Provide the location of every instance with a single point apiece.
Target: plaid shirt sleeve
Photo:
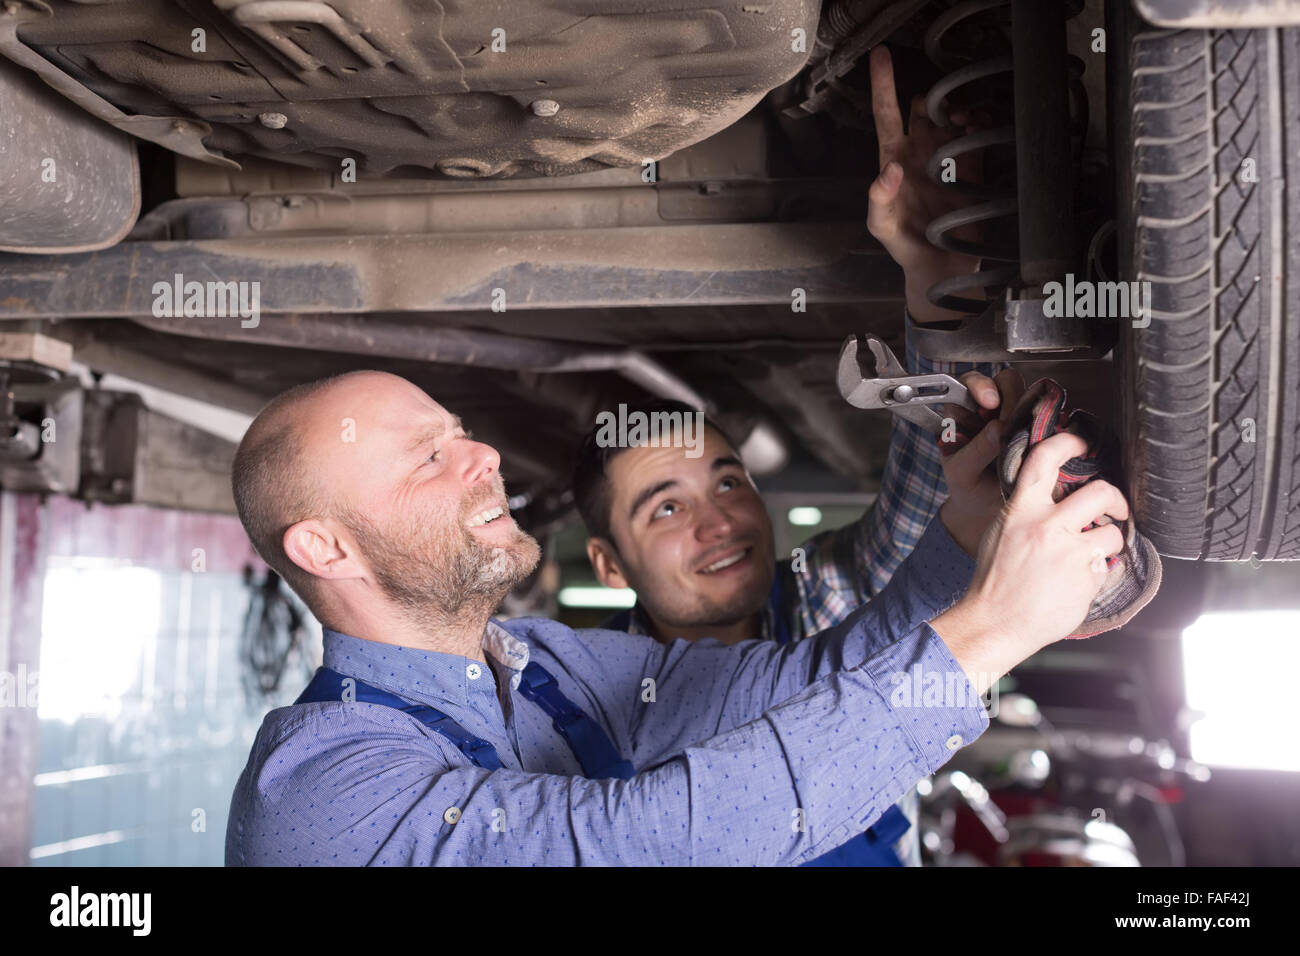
(847, 566)
(850, 565)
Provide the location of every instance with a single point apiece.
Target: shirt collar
(425, 676)
(506, 650)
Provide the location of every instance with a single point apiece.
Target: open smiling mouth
(486, 516)
(728, 561)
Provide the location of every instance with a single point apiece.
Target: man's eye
(727, 484)
(434, 455)
(664, 510)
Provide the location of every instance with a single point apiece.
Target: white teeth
(724, 563)
(483, 517)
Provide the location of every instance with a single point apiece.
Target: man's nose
(481, 462)
(711, 522)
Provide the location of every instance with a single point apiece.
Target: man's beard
(675, 607)
(436, 570)
(698, 611)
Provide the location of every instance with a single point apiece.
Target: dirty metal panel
(70, 183)
(731, 264)
(460, 88)
(133, 454)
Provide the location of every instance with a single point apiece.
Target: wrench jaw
(858, 387)
(849, 375)
(887, 364)
(853, 370)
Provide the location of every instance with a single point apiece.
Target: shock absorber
(1003, 61)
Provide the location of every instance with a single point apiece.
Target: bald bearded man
(436, 735)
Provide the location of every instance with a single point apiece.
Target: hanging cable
(273, 637)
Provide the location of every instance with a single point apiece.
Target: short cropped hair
(272, 486)
(592, 493)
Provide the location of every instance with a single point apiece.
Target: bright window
(1240, 670)
(99, 628)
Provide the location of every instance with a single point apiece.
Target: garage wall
(21, 541)
(133, 615)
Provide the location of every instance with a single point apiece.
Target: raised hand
(903, 199)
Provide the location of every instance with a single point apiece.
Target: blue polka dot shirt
(747, 754)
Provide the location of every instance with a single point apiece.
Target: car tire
(1207, 138)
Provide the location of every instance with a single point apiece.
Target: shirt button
(473, 672)
(451, 815)
(953, 742)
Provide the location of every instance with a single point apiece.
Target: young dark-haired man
(690, 533)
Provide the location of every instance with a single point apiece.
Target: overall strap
(873, 848)
(622, 621)
(778, 604)
(588, 741)
(327, 685)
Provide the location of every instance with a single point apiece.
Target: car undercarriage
(539, 211)
(583, 203)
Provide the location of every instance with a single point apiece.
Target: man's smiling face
(423, 500)
(693, 538)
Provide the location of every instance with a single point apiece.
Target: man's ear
(605, 562)
(315, 547)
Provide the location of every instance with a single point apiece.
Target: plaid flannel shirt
(846, 567)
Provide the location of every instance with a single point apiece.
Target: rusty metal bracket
(1015, 331)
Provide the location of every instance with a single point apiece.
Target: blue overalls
(590, 744)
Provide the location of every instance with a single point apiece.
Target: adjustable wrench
(886, 384)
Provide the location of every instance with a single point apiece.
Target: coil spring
(983, 83)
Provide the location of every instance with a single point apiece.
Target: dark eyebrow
(432, 431)
(640, 501)
(726, 461)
